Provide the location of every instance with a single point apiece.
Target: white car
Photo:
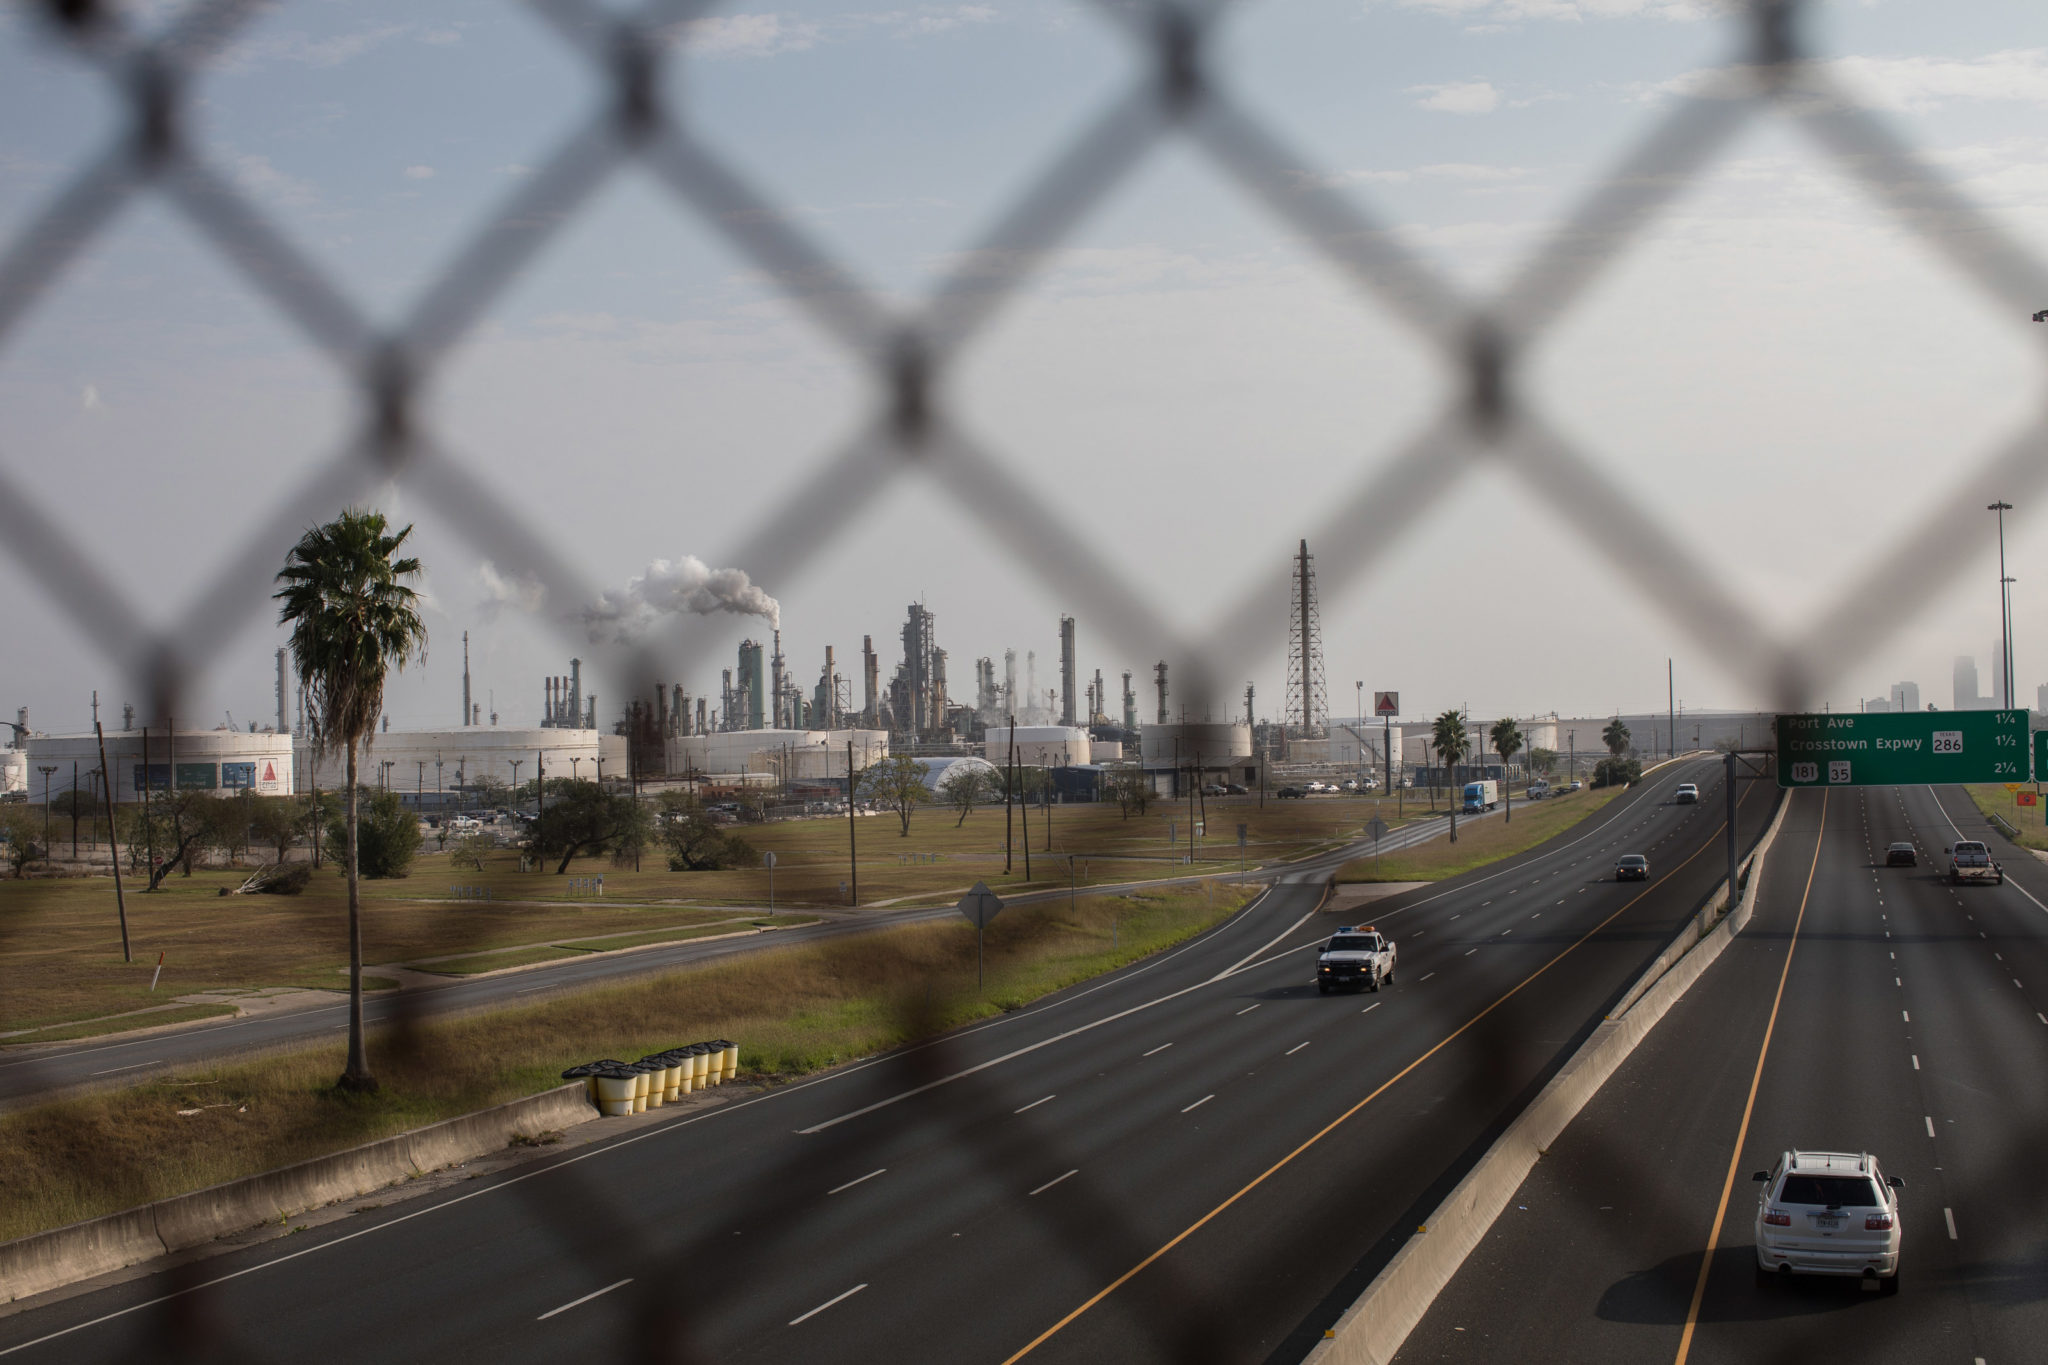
(1828, 1213)
(1688, 794)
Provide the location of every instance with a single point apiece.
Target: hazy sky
(1776, 370)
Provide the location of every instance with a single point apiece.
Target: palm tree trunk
(356, 1075)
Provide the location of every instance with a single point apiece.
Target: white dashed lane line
(578, 1303)
(1034, 1104)
(1050, 1183)
(1247, 1009)
(1949, 1216)
(1199, 1103)
(1930, 1125)
(1161, 1048)
(864, 1179)
(836, 1299)
(1296, 1048)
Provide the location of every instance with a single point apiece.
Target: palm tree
(1447, 735)
(1507, 742)
(1616, 737)
(352, 620)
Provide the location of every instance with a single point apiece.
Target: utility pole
(1671, 705)
(74, 807)
(46, 769)
(852, 834)
(113, 846)
(2001, 507)
(1009, 792)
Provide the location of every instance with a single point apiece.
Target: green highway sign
(2041, 755)
(1902, 749)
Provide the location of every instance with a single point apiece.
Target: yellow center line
(1699, 1288)
(1337, 1122)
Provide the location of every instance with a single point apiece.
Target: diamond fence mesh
(912, 430)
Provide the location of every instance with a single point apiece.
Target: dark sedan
(1632, 867)
(1901, 855)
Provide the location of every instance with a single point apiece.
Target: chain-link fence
(912, 431)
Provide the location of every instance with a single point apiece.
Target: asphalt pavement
(1912, 1023)
(29, 1072)
(1197, 1158)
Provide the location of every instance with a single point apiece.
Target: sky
(1778, 376)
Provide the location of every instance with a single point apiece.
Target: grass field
(1994, 799)
(1483, 841)
(60, 950)
(793, 1010)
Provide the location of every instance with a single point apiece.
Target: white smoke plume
(520, 592)
(674, 588)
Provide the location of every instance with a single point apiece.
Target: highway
(1197, 1158)
(29, 1072)
(1912, 1023)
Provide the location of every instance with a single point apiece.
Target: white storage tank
(1039, 746)
(220, 762)
(1209, 742)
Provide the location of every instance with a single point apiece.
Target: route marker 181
(1902, 748)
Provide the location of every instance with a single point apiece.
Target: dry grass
(97, 1028)
(1993, 799)
(1482, 842)
(793, 1010)
(60, 957)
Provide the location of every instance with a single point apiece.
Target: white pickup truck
(1970, 861)
(1356, 956)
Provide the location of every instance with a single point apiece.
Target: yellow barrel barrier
(659, 1078)
(615, 1085)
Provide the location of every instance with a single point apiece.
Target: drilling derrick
(1308, 701)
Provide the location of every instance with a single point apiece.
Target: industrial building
(788, 755)
(430, 766)
(220, 762)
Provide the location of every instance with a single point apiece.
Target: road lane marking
(1034, 1104)
(1949, 1216)
(130, 1067)
(1247, 1009)
(1296, 1048)
(1905, 1016)
(1381, 1089)
(801, 1317)
(1425, 978)
(1699, 1288)
(1897, 982)
(1470, 951)
(1930, 1124)
(1916, 1061)
(1199, 1103)
(1505, 932)
(1052, 1182)
(578, 1303)
(851, 1183)
(1376, 1004)
(1161, 1048)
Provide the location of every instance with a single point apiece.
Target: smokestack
(468, 709)
(1159, 677)
(127, 716)
(576, 693)
(1248, 705)
(703, 720)
(1130, 703)
(1066, 670)
(1010, 680)
(1099, 704)
(775, 682)
(547, 702)
(281, 717)
(831, 719)
(871, 670)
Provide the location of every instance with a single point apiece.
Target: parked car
(1828, 1213)
(1237, 789)
(1215, 789)
(1901, 854)
(1291, 794)
(1631, 867)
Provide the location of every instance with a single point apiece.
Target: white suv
(1687, 794)
(1828, 1213)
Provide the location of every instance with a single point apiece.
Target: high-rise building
(1905, 696)
(1966, 698)
(1877, 705)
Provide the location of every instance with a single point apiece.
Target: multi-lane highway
(1865, 1008)
(1198, 1158)
(30, 1072)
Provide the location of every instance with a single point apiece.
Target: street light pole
(46, 769)
(2001, 507)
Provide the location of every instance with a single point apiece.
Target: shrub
(387, 834)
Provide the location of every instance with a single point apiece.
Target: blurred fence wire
(912, 429)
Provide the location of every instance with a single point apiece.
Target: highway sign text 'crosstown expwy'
(1901, 749)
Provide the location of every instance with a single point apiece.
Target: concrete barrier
(1372, 1330)
(51, 1260)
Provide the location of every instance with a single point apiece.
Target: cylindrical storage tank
(1039, 746)
(1214, 743)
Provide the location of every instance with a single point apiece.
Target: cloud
(419, 172)
(89, 398)
(520, 592)
(1897, 84)
(1497, 13)
(305, 50)
(1462, 97)
(261, 180)
(1461, 171)
(767, 34)
(674, 588)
